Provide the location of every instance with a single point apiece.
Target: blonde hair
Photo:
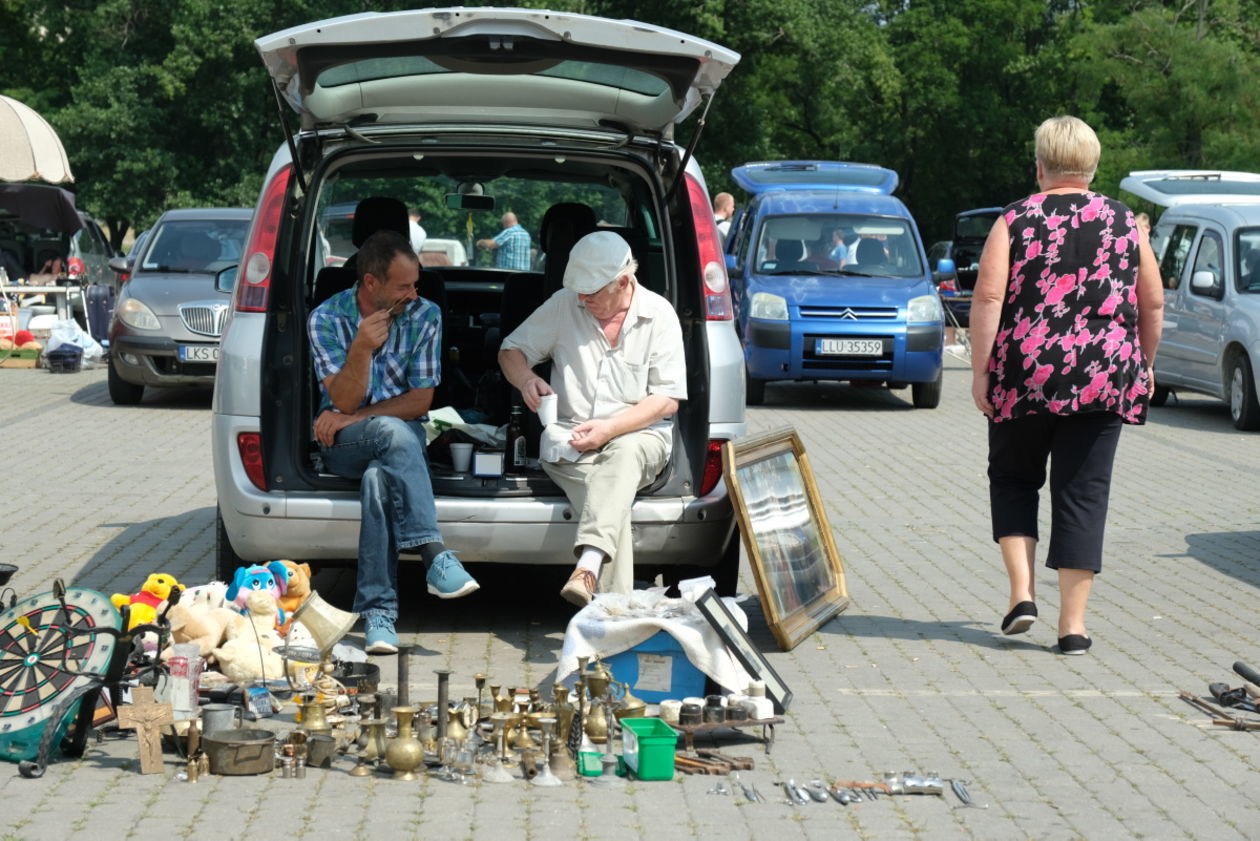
(1067, 146)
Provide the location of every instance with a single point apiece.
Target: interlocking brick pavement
(914, 675)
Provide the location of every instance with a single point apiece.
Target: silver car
(1208, 245)
(469, 113)
(169, 314)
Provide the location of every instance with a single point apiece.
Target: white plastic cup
(547, 409)
(461, 457)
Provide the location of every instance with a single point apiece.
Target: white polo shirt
(594, 379)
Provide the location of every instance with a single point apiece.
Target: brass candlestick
(496, 773)
(545, 777)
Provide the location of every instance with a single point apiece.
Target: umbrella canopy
(40, 206)
(29, 148)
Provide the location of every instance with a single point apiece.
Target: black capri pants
(1081, 449)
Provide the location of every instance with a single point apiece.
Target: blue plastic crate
(659, 655)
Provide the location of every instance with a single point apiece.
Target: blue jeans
(388, 456)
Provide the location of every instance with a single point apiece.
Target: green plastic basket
(648, 746)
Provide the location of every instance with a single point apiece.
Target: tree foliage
(164, 103)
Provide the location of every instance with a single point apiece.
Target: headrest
(789, 250)
(563, 225)
(199, 248)
(378, 213)
(870, 251)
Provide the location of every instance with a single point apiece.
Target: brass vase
(373, 749)
(596, 724)
(404, 753)
(564, 712)
(630, 707)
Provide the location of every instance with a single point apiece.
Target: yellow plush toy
(144, 605)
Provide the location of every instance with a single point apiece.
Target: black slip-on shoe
(1074, 644)
(1020, 619)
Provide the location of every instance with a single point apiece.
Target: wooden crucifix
(147, 718)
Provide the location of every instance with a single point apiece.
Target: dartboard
(42, 647)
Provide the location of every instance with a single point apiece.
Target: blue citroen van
(830, 280)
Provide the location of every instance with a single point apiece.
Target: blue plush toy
(272, 578)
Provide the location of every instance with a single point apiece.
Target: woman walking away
(1065, 321)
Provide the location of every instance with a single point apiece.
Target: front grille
(851, 313)
(206, 319)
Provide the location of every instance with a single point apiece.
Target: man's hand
(328, 424)
(533, 392)
(592, 435)
(374, 330)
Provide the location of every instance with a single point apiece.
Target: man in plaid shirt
(510, 246)
(375, 348)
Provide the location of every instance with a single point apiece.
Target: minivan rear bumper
(323, 525)
(787, 350)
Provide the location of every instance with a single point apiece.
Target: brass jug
(597, 679)
(631, 707)
(455, 727)
(596, 724)
(404, 752)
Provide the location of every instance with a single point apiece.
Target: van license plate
(198, 353)
(849, 347)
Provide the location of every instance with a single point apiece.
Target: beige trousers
(602, 490)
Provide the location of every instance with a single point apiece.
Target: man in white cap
(618, 371)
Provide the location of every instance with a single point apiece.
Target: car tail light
(717, 289)
(254, 282)
(75, 268)
(249, 444)
(712, 467)
(948, 286)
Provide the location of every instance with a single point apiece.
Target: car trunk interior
(480, 303)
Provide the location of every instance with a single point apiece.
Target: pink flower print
(1021, 328)
(1036, 338)
(1033, 251)
(1056, 406)
(1039, 376)
(1062, 285)
(1109, 306)
(1096, 385)
(1090, 212)
(1054, 220)
(1126, 351)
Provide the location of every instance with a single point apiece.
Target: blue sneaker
(448, 579)
(381, 637)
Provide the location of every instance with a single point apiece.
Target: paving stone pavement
(914, 675)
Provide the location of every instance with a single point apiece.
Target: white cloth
(592, 378)
(616, 622)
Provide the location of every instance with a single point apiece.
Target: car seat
(197, 251)
(789, 256)
(870, 252)
(375, 213)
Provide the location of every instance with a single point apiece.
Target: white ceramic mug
(461, 457)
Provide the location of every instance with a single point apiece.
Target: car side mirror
(119, 264)
(225, 279)
(945, 270)
(1205, 283)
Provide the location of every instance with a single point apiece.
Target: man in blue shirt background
(375, 348)
(511, 246)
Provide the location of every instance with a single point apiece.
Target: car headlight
(925, 308)
(765, 305)
(135, 314)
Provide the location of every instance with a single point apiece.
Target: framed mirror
(798, 569)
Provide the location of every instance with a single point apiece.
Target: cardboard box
(19, 358)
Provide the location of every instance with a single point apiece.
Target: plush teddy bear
(248, 653)
(299, 588)
(144, 604)
(196, 622)
(272, 579)
(212, 594)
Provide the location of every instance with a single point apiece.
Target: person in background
(511, 246)
(414, 231)
(375, 348)
(618, 371)
(1065, 320)
(723, 212)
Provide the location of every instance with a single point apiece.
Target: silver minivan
(1208, 245)
(467, 114)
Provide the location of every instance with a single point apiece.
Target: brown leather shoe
(580, 588)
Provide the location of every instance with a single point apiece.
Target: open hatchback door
(814, 175)
(453, 66)
(1173, 187)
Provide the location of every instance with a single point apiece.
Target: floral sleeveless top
(1067, 340)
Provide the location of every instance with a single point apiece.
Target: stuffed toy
(144, 604)
(213, 594)
(196, 622)
(297, 592)
(272, 579)
(248, 654)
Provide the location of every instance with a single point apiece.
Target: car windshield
(194, 245)
(1248, 251)
(838, 244)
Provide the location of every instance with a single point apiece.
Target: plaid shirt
(407, 360)
(513, 250)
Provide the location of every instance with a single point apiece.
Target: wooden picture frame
(745, 651)
(799, 572)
